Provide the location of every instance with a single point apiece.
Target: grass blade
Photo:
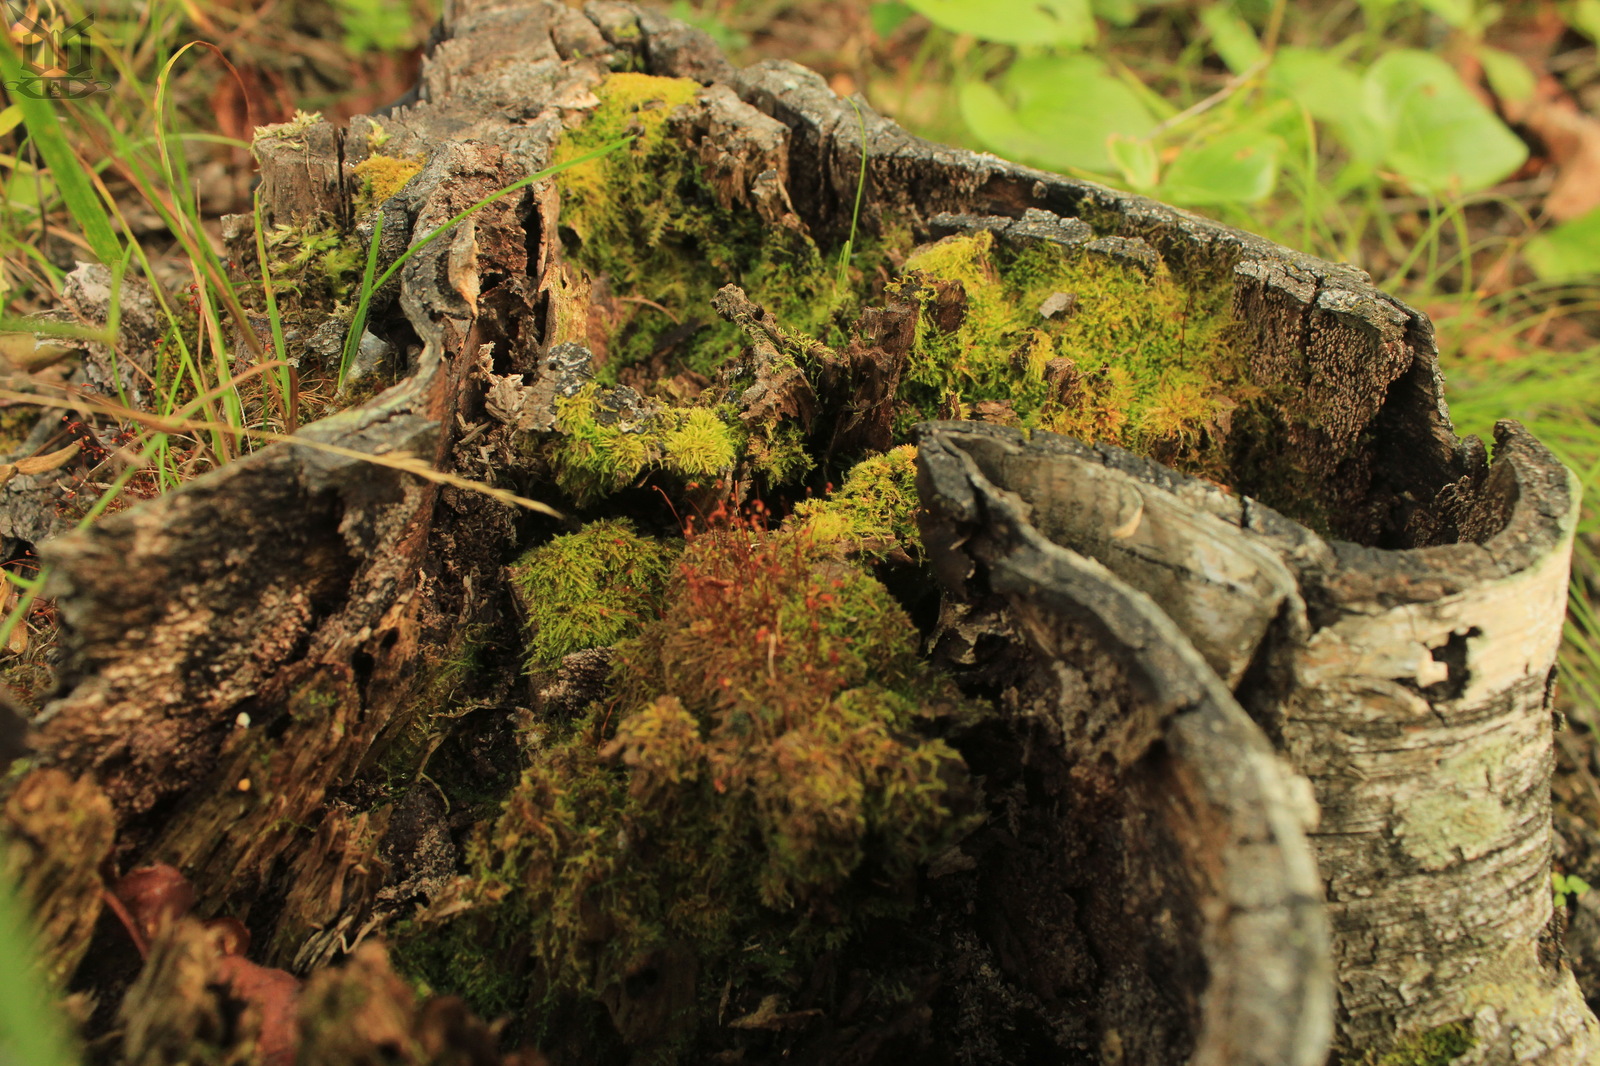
(66, 170)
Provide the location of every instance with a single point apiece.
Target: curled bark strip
(1197, 781)
(1413, 694)
(247, 655)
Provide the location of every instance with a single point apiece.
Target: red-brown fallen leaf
(276, 995)
(154, 896)
(1572, 143)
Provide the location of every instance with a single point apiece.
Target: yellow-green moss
(382, 176)
(646, 219)
(758, 788)
(1150, 361)
(293, 130)
(874, 512)
(588, 589)
(1439, 1046)
(319, 265)
(599, 451)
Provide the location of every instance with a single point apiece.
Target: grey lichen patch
(1461, 816)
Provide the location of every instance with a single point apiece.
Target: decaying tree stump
(1253, 787)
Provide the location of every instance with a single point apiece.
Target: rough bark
(247, 653)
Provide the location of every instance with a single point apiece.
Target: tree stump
(1251, 780)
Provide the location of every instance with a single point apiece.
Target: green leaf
(1457, 13)
(1440, 137)
(1067, 108)
(1068, 23)
(1116, 12)
(1508, 75)
(1332, 93)
(1240, 166)
(1136, 158)
(888, 17)
(375, 26)
(1584, 16)
(1570, 250)
(1232, 37)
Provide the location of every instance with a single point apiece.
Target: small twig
(676, 321)
(1200, 107)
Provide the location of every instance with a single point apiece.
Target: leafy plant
(1567, 886)
(1064, 103)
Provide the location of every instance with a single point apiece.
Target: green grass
(32, 1032)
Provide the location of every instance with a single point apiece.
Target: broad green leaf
(1584, 16)
(10, 119)
(1508, 75)
(1457, 13)
(1440, 136)
(375, 26)
(1332, 93)
(1571, 250)
(888, 17)
(1136, 158)
(1068, 23)
(1231, 36)
(1067, 108)
(1116, 12)
(1240, 166)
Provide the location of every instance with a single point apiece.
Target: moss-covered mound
(762, 783)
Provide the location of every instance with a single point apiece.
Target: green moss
(874, 512)
(646, 219)
(382, 176)
(604, 446)
(1439, 1046)
(760, 786)
(467, 955)
(589, 589)
(1145, 362)
(293, 130)
(318, 265)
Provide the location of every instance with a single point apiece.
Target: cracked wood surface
(241, 649)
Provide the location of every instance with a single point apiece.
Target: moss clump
(646, 219)
(382, 176)
(293, 130)
(1438, 1046)
(588, 589)
(1074, 342)
(606, 442)
(319, 265)
(874, 513)
(761, 785)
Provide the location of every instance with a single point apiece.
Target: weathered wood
(248, 654)
(1209, 822)
(1414, 694)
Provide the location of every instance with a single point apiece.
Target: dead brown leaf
(1571, 140)
(43, 464)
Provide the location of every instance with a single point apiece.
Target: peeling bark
(253, 659)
